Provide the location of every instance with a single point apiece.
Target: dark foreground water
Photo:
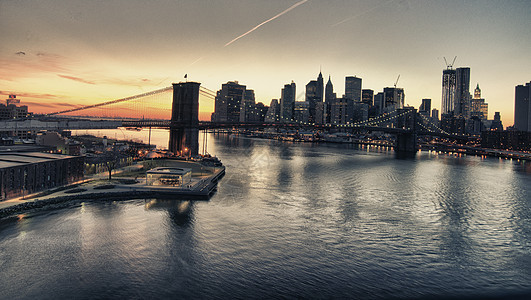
(291, 220)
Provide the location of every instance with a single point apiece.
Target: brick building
(23, 173)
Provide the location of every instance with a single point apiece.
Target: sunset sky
(61, 53)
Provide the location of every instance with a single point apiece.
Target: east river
(290, 220)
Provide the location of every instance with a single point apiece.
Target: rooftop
(28, 157)
(169, 170)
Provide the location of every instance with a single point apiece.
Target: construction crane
(397, 80)
(449, 66)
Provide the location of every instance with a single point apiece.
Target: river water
(290, 221)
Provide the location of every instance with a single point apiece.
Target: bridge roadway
(57, 124)
(60, 124)
(216, 125)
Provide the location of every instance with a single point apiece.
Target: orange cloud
(26, 65)
(76, 79)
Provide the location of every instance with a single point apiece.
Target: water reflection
(179, 211)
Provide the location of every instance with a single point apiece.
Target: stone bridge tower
(184, 127)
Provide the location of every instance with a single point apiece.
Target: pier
(202, 187)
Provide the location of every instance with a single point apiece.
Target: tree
(111, 158)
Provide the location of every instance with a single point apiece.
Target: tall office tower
(301, 112)
(287, 102)
(478, 108)
(320, 87)
(477, 92)
(435, 116)
(462, 92)
(448, 91)
(341, 111)
(228, 102)
(359, 112)
(379, 102)
(367, 97)
(329, 91)
(312, 97)
(330, 98)
(353, 88)
(393, 98)
(260, 111)
(425, 107)
(319, 113)
(273, 112)
(496, 123)
(522, 107)
(248, 108)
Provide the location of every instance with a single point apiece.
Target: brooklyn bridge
(177, 108)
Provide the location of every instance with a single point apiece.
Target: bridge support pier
(406, 142)
(184, 126)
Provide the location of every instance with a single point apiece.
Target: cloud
(26, 66)
(55, 105)
(76, 79)
(30, 95)
(42, 103)
(266, 21)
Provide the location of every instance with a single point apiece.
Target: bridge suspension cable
(207, 92)
(430, 123)
(112, 102)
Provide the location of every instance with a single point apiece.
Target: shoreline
(95, 190)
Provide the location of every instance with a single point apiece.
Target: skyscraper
(301, 113)
(393, 98)
(496, 123)
(477, 92)
(425, 107)
(329, 92)
(273, 113)
(353, 88)
(330, 98)
(312, 97)
(522, 107)
(462, 92)
(260, 112)
(320, 87)
(379, 102)
(367, 97)
(478, 108)
(341, 111)
(448, 91)
(287, 102)
(228, 102)
(248, 108)
(435, 116)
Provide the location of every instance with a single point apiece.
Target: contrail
(265, 22)
(361, 14)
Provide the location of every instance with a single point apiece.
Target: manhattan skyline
(63, 53)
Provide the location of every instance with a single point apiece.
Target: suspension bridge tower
(184, 126)
(406, 142)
